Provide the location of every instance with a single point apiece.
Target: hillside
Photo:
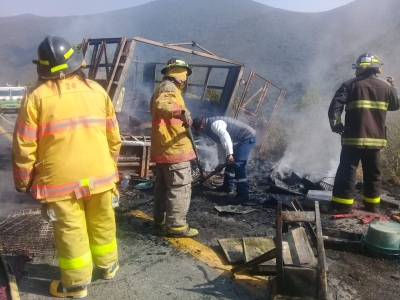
(291, 49)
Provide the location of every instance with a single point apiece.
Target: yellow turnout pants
(84, 231)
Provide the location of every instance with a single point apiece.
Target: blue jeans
(236, 172)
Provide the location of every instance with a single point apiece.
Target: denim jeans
(236, 172)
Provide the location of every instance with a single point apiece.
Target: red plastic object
(3, 294)
(364, 216)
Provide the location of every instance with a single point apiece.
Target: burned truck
(216, 88)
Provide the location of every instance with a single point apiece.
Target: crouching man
(237, 139)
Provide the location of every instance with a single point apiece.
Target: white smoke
(313, 150)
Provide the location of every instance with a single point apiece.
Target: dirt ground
(350, 275)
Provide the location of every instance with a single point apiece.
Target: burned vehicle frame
(213, 91)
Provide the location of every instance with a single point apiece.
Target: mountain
(291, 49)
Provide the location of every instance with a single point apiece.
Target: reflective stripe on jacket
(366, 99)
(66, 144)
(169, 140)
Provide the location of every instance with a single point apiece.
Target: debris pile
(288, 255)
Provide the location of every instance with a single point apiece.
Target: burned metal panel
(255, 111)
(181, 49)
(196, 93)
(149, 76)
(231, 86)
(228, 89)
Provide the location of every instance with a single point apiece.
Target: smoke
(210, 153)
(312, 150)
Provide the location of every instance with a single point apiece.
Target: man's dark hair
(197, 123)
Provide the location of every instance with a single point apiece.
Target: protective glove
(186, 119)
(48, 213)
(390, 80)
(339, 128)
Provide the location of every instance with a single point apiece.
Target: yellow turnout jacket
(169, 140)
(66, 145)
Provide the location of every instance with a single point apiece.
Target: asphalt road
(151, 267)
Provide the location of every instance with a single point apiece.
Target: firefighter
(65, 148)
(366, 99)
(171, 150)
(237, 139)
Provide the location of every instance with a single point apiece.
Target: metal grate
(26, 231)
(259, 124)
(325, 185)
(259, 106)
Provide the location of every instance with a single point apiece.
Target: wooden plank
(300, 249)
(322, 280)
(287, 257)
(309, 228)
(279, 250)
(298, 216)
(300, 283)
(12, 282)
(255, 246)
(143, 162)
(232, 249)
(256, 261)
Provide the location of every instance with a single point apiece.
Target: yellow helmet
(176, 61)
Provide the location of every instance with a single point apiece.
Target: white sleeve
(219, 128)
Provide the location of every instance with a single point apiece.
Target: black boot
(371, 207)
(334, 208)
(224, 189)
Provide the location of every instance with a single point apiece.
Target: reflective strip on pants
(342, 201)
(372, 200)
(82, 225)
(103, 249)
(75, 263)
(230, 174)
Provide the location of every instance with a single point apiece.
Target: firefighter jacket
(366, 99)
(66, 141)
(169, 140)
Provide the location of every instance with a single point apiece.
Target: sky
(49, 8)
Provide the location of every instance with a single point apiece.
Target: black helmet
(176, 61)
(57, 58)
(367, 60)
